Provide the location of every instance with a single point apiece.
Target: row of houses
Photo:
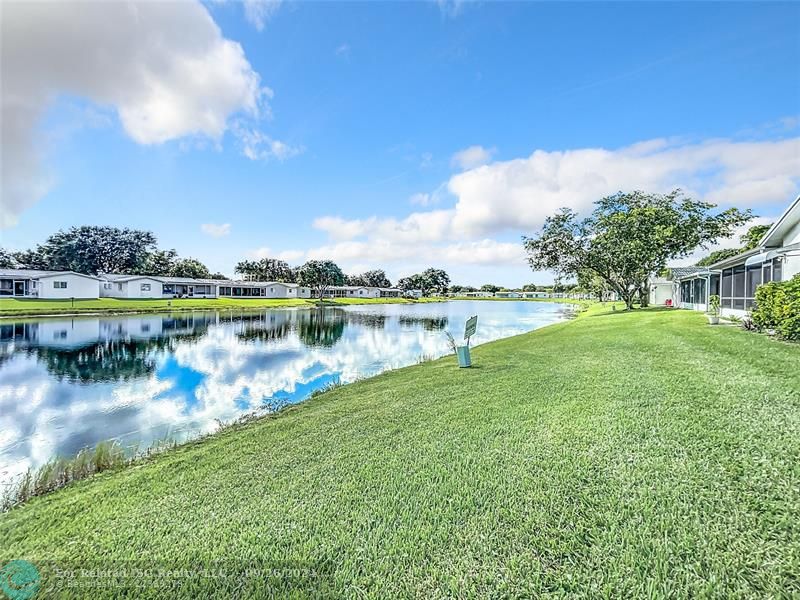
(24, 283)
(736, 279)
(512, 294)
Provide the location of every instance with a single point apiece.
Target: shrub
(778, 308)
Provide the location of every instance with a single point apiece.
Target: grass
(627, 454)
(20, 307)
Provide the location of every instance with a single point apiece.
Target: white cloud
(256, 145)
(472, 157)
(259, 12)
(421, 199)
(450, 8)
(515, 196)
(290, 256)
(163, 67)
(215, 230)
(519, 194)
(343, 50)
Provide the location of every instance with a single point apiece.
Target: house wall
(791, 265)
(110, 289)
(78, 286)
(67, 333)
(660, 293)
(133, 289)
(303, 292)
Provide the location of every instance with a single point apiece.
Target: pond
(67, 383)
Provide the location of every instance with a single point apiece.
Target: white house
(27, 283)
(735, 279)
(131, 286)
(533, 294)
(478, 294)
(508, 295)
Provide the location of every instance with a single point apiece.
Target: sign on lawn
(472, 325)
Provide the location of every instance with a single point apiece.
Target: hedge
(778, 308)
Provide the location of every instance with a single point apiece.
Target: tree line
(92, 249)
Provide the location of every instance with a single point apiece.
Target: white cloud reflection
(190, 372)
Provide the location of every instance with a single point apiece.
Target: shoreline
(160, 447)
(279, 303)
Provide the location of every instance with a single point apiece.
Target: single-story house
(262, 289)
(413, 293)
(735, 279)
(131, 286)
(352, 291)
(28, 283)
(478, 294)
(393, 292)
(508, 295)
(533, 294)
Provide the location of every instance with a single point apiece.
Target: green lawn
(33, 307)
(641, 454)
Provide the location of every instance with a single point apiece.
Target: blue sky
(393, 135)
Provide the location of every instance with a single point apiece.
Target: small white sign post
(464, 359)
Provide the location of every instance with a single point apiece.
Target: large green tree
(91, 249)
(320, 275)
(159, 262)
(266, 269)
(628, 237)
(190, 268)
(429, 281)
(374, 278)
(7, 259)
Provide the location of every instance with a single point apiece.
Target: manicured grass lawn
(641, 454)
(29, 307)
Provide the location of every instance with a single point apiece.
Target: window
(738, 281)
(777, 268)
(60, 285)
(107, 286)
(727, 283)
(119, 287)
(145, 287)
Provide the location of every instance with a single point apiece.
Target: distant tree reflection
(321, 327)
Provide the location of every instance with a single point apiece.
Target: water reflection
(68, 383)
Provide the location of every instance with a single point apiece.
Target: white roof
(39, 274)
(776, 233)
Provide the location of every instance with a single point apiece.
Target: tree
(429, 281)
(190, 268)
(7, 259)
(435, 280)
(218, 275)
(753, 236)
(93, 249)
(160, 262)
(320, 275)
(749, 240)
(628, 237)
(375, 278)
(488, 287)
(455, 289)
(266, 269)
(717, 256)
(530, 287)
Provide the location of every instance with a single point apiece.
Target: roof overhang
(789, 218)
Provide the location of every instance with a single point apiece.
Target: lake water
(68, 383)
